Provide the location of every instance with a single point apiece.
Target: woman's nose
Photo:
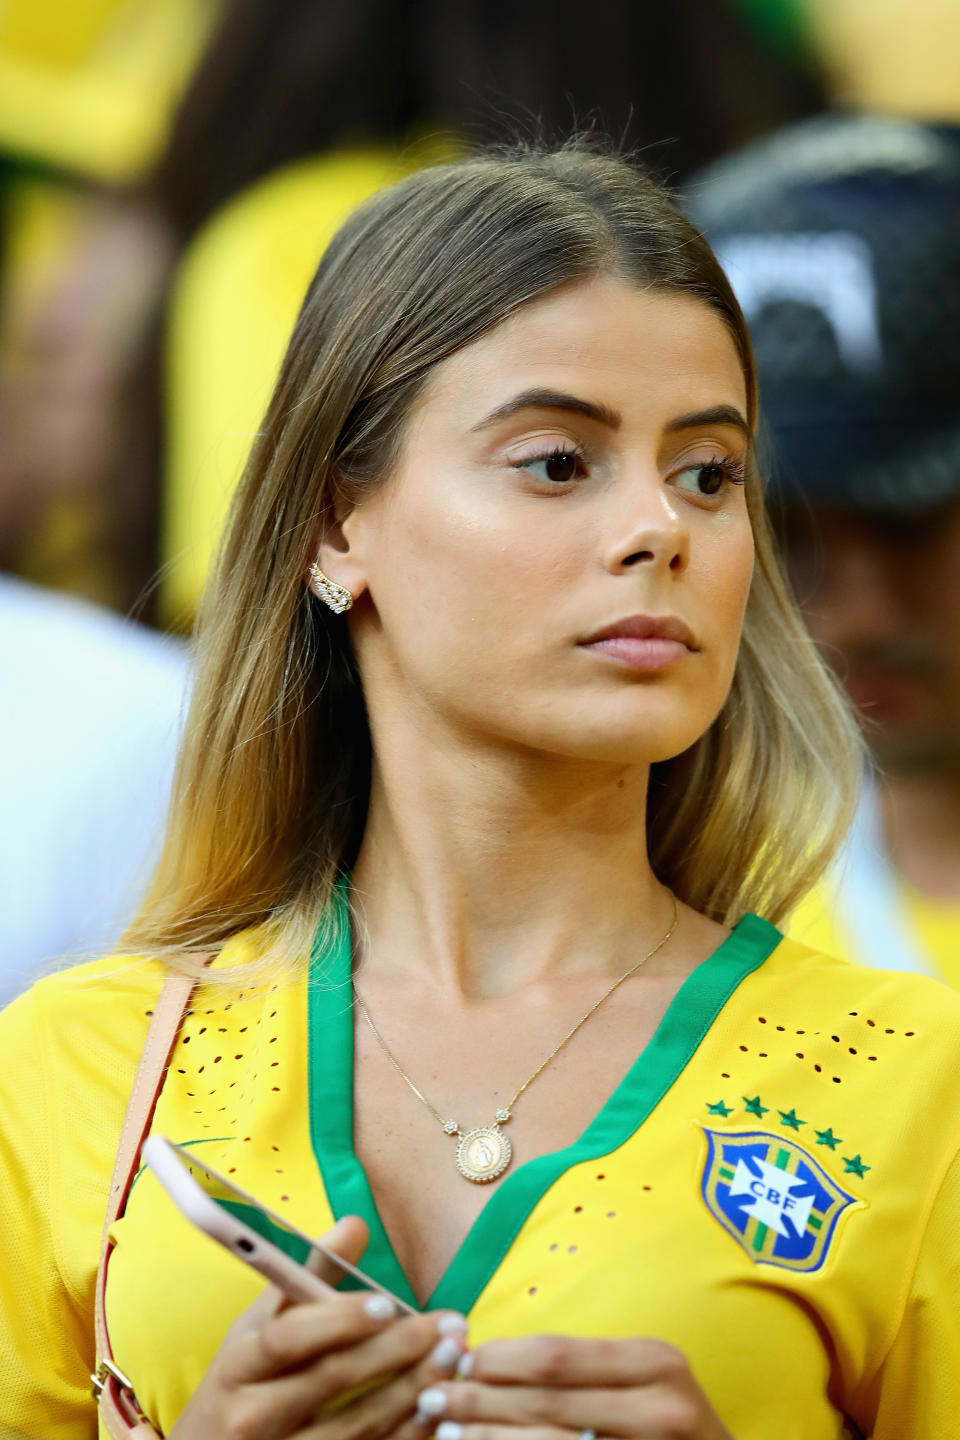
(651, 533)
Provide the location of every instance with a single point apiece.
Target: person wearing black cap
(841, 236)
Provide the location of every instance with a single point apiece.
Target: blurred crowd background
(170, 171)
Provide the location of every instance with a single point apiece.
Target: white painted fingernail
(378, 1307)
(446, 1354)
(452, 1324)
(431, 1402)
(449, 1430)
(465, 1364)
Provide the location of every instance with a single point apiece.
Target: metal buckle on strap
(99, 1378)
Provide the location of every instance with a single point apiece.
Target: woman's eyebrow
(551, 400)
(717, 415)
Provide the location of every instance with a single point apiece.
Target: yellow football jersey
(773, 1187)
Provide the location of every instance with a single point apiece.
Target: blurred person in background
(91, 703)
(87, 94)
(841, 237)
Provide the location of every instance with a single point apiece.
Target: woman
(506, 721)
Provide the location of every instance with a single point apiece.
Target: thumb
(347, 1238)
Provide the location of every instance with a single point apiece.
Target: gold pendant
(483, 1153)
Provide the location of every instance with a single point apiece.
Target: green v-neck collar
(690, 1015)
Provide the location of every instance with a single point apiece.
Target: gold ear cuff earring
(336, 597)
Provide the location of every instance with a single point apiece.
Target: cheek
(723, 603)
(724, 583)
(461, 566)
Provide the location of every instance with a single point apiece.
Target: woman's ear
(338, 556)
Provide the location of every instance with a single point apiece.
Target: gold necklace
(485, 1152)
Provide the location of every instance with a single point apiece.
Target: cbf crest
(772, 1197)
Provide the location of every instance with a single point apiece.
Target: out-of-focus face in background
(881, 596)
(841, 238)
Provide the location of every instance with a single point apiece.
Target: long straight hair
(272, 787)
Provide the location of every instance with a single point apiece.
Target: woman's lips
(644, 642)
(648, 652)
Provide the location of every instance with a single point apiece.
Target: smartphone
(258, 1236)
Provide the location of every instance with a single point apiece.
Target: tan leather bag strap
(119, 1410)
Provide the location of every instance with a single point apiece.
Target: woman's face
(574, 474)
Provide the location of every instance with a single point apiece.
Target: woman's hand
(344, 1368)
(554, 1387)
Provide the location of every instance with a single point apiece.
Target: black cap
(841, 238)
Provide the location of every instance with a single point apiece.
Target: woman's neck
(484, 871)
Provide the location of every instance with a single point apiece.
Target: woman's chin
(617, 745)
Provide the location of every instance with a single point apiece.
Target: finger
(569, 1361)
(453, 1430)
(661, 1420)
(612, 1412)
(349, 1238)
(390, 1408)
(290, 1335)
(331, 1379)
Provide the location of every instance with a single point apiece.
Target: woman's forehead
(626, 347)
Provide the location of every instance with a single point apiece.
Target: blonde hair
(272, 786)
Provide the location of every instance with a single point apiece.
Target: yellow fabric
(91, 85)
(233, 306)
(888, 57)
(817, 922)
(624, 1245)
(933, 924)
(936, 924)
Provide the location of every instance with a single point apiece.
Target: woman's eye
(558, 467)
(710, 477)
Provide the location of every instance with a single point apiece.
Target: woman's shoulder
(822, 973)
(71, 1044)
(101, 1006)
(94, 1016)
(859, 1021)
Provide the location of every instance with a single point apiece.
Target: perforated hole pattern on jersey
(557, 1247)
(826, 1051)
(218, 1035)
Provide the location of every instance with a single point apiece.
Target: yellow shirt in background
(863, 910)
(930, 929)
(91, 86)
(937, 927)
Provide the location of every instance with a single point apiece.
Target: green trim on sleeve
(689, 1017)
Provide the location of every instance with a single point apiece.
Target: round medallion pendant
(484, 1153)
